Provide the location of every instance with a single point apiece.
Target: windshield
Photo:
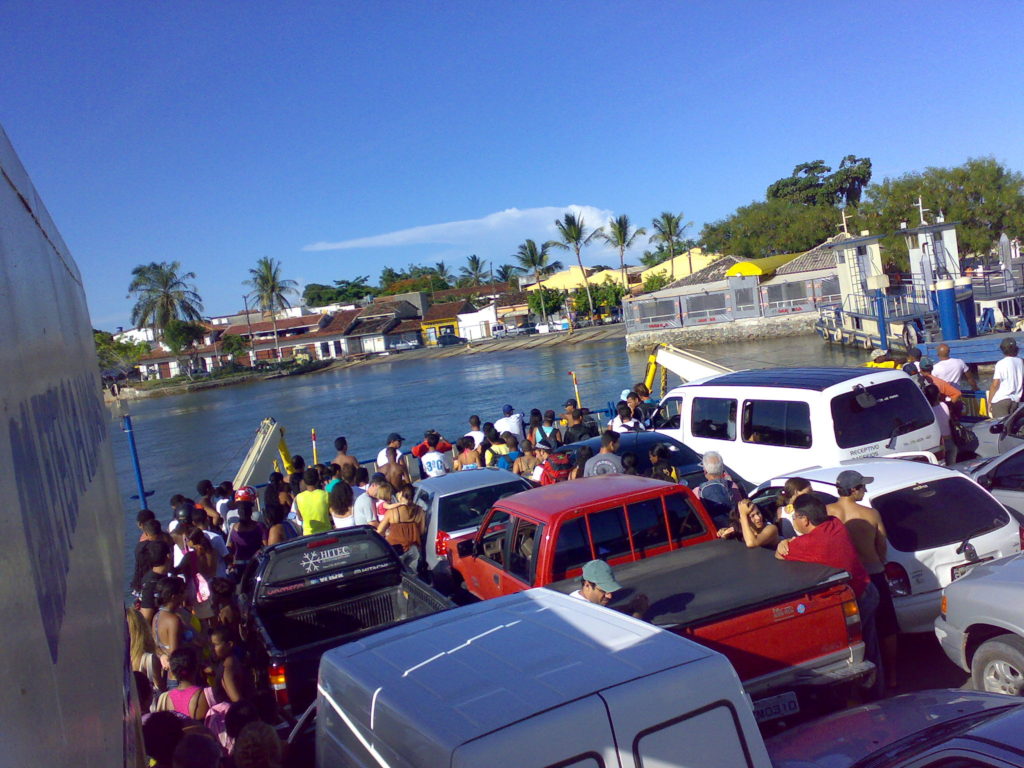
(899, 407)
(467, 509)
(938, 513)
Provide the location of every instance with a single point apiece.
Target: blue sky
(340, 137)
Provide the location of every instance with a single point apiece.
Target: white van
(533, 680)
(769, 421)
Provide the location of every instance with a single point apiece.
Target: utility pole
(252, 341)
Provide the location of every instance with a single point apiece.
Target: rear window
(333, 555)
(467, 509)
(899, 407)
(938, 513)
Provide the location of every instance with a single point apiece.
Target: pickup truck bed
(304, 596)
(788, 628)
(347, 618)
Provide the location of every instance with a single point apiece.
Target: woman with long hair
(339, 502)
(142, 649)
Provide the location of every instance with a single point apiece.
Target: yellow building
(567, 280)
(682, 265)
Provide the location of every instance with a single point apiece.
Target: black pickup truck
(302, 597)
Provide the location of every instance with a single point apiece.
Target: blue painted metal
(126, 425)
(946, 298)
(883, 325)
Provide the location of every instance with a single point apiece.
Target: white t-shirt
(1010, 373)
(435, 464)
(941, 412)
(951, 370)
(221, 549)
(629, 425)
(382, 457)
(513, 424)
(344, 522)
(477, 435)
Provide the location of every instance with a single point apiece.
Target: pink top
(181, 698)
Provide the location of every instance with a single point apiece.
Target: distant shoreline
(580, 336)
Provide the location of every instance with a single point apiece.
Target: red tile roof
(447, 311)
(490, 289)
(407, 326)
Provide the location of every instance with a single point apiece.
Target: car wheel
(998, 666)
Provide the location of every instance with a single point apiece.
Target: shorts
(886, 622)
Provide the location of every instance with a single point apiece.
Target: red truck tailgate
(787, 634)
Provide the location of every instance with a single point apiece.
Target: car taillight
(899, 581)
(441, 543)
(851, 611)
(942, 607)
(1020, 537)
(278, 684)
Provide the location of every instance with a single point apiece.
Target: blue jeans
(868, 604)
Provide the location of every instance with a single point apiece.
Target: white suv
(939, 524)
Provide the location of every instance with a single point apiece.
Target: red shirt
(422, 448)
(829, 544)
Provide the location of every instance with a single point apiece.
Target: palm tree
(574, 235)
(622, 236)
(443, 273)
(163, 295)
(668, 231)
(475, 270)
(506, 273)
(532, 258)
(270, 291)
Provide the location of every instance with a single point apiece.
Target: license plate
(960, 570)
(776, 706)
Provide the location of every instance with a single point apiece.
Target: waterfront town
(610, 385)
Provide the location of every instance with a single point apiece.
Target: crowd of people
(199, 697)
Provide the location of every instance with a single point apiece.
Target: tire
(998, 665)
(909, 336)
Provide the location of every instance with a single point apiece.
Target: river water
(182, 439)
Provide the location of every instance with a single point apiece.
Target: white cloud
(509, 227)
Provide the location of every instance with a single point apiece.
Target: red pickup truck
(791, 630)
(547, 534)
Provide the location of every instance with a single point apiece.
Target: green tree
(444, 274)
(621, 236)
(545, 301)
(163, 294)
(982, 195)
(573, 231)
(116, 355)
(182, 339)
(774, 226)
(534, 259)
(507, 273)
(668, 232)
(609, 294)
(655, 282)
(475, 271)
(270, 291)
(388, 275)
(319, 295)
(234, 346)
(814, 183)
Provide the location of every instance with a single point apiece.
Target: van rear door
(574, 734)
(666, 719)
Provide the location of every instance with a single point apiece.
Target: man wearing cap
(867, 531)
(421, 449)
(577, 429)
(395, 441)
(1007, 381)
(913, 359)
(824, 540)
(598, 585)
(364, 511)
(511, 422)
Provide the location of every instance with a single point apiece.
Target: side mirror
(999, 428)
(985, 481)
(466, 548)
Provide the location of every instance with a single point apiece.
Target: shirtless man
(205, 490)
(395, 470)
(867, 531)
(342, 458)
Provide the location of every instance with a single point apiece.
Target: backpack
(508, 460)
(556, 469)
